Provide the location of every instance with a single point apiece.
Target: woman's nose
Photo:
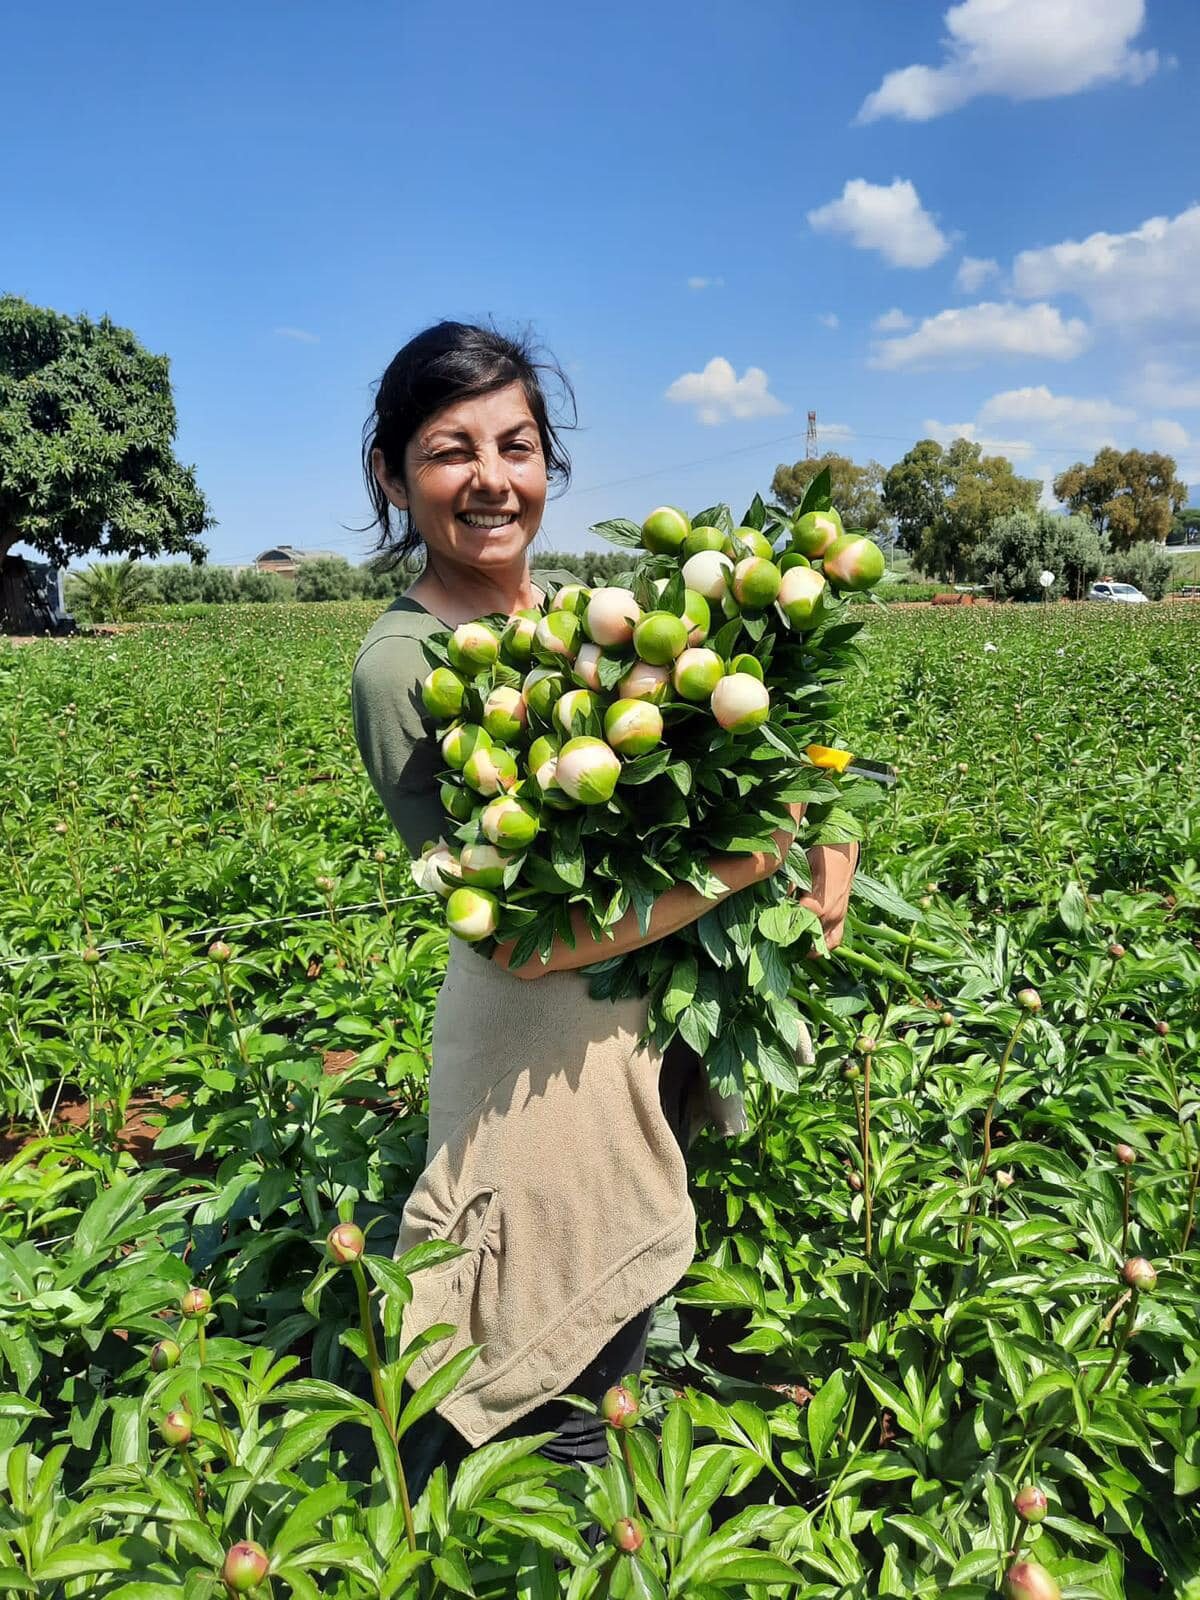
(489, 470)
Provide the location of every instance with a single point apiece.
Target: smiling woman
(557, 1138)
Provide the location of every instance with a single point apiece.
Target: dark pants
(579, 1437)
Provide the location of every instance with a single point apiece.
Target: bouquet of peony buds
(601, 750)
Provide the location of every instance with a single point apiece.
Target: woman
(556, 1143)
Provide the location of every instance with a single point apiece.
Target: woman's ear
(395, 492)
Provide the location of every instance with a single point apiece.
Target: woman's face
(475, 479)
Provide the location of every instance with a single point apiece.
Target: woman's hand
(832, 867)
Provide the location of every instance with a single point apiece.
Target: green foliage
(944, 499)
(260, 588)
(109, 591)
(1131, 495)
(87, 424)
(855, 490)
(856, 1407)
(1016, 549)
(1146, 565)
(326, 578)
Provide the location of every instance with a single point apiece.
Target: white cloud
(1068, 425)
(947, 432)
(1076, 420)
(300, 335)
(965, 337)
(1164, 383)
(719, 395)
(885, 217)
(893, 321)
(706, 283)
(829, 319)
(1151, 274)
(973, 272)
(1163, 433)
(1025, 49)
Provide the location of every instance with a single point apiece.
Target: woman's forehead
(483, 415)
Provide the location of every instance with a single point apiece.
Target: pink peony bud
(619, 1407)
(246, 1565)
(345, 1243)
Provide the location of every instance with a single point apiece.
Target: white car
(1123, 592)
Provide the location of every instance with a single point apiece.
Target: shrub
(327, 578)
(178, 583)
(261, 587)
(1146, 565)
(1017, 548)
(218, 586)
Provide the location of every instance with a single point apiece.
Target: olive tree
(1015, 550)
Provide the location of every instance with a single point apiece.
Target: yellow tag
(834, 760)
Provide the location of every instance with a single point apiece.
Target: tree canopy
(945, 498)
(87, 427)
(855, 490)
(1130, 495)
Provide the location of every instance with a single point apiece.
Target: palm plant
(112, 591)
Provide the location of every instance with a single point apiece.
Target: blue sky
(703, 211)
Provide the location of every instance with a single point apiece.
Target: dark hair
(450, 361)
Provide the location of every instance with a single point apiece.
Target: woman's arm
(673, 910)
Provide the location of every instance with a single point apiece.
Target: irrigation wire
(207, 933)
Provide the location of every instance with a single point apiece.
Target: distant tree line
(967, 517)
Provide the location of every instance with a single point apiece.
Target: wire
(207, 933)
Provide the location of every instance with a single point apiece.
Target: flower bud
(813, 533)
(644, 682)
(802, 597)
(740, 703)
(442, 693)
(619, 1407)
(665, 529)
(245, 1566)
(587, 769)
(196, 1305)
(472, 914)
(1030, 1503)
(707, 573)
(1139, 1273)
(176, 1428)
(472, 646)
(853, 562)
(504, 713)
(659, 637)
(627, 1534)
(1029, 1580)
(611, 616)
(1029, 1000)
(345, 1243)
(164, 1355)
(1125, 1154)
(633, 727)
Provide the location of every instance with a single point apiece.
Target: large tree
(855, 490)
(945, 498)
(1130, 495)
(87, 425)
